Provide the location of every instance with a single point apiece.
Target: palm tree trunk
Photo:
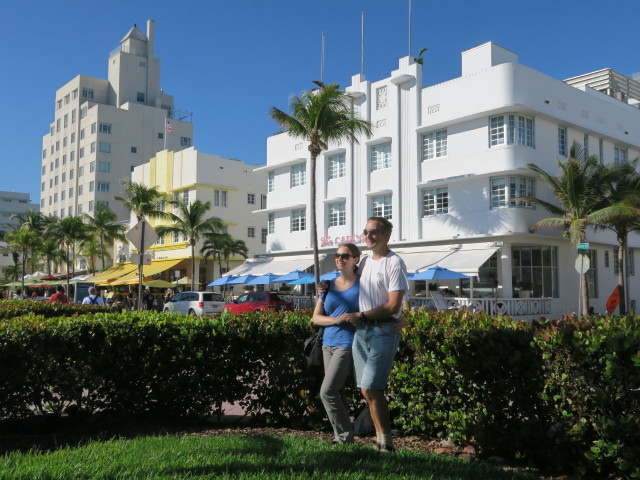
(24, 261)
(585, 294)
(102, 251)
(193, 264)
(622, 274)
(67, 262)
(314, 224)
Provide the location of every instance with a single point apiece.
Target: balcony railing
(515, 307)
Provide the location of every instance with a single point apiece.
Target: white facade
(102, 129)
(230, 185)
(442, 164)
(12, 203)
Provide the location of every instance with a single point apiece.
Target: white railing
(515, 307)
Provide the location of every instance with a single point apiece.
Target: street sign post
(142, 235)
(582, 264)
(582, 248)
(135, 259)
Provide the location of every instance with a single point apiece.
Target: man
(59, 296)
(148, 299)
(382, 286)
(93, 298)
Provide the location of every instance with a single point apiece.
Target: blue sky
(229, 61)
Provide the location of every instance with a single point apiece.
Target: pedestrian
(168, 296)
(18, 294)
(59, 296)
(383, 282)
(148, 299)
(340, 298)
(131, 302)
(93, 298)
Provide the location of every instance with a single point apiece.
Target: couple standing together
(362, 331)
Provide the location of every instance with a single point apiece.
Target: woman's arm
(322, 320)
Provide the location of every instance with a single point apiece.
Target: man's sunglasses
(344, 256)
(373, 231)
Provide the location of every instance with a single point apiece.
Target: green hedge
(563, 394)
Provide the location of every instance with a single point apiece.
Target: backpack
(93, 300)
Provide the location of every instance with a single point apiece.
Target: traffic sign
(582, 246)
(582, 264)
(135, 235)
(135, 259)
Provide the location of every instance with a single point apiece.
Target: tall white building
(102, 129)
(445, 164)
(234, 191)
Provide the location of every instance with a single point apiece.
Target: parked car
(253, 301)
(195, 303)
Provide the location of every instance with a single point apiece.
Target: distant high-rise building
(12, 204)
(102, 129)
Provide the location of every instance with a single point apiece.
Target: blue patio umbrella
(330, 275)
(266, 279)
(438, 273)
(241, 279)
(295, 275)
(221, 281)
(308, 279)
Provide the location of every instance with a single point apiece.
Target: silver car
(195, 303)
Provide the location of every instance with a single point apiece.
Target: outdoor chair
(441, 302)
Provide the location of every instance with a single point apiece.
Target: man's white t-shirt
(378, 278)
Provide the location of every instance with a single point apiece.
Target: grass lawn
(238, 457)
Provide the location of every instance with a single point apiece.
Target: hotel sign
(329, 241)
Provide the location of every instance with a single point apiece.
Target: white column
(505, 286)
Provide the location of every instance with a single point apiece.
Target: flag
(169, 127)
(614, 300)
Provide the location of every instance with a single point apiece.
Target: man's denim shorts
(374, 347)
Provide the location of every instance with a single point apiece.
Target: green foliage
(561, 394)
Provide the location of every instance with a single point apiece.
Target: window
(73, 116)
(57, 162)
(619, 156)
(44, 153)
(298, 220)
(93, 127)
(53, 130)
(57, 145)
(434, 145)
(83, 112)
(71, 192)
(140, 97)
(66, 99)
(298, 175)
(160, 240)
(263, 201)
(91, 186)
(104, 167)
(70, 211)
(337, 215)
(134, 150)
(93, 147)
(263, 236)
(74, 94)
(59, 104)
(562, 141)
(381, 206)
(535, 268)
(92, 166)
(64, 159)
(219, 198)
(41, 204)
(585, 145)
(62, 194)
(185, 196)
(160, 135)
(435, 201)
(44, 169)
(103, 186)
(43, 186)
(80, 190)
(271, 182)
(80, 171)
(336, 167)
(380, 157)
(381, 98)
(51, 183)
(66, 120)
(71, 174)
(251, 198)
(55, 198)
(81, 152)
(90, 206)
(176, 237)
(601, 150)
(105, 128)
(62, 213)
(73, 156)
(58, 125)
(629, 259)
(79, 209)
(104, 147)
(251, 232)
(185, 142)
(64, 177)
(55, 180)
(271, 224)
(511, 129)
(505, 190)
(82, 134)
(87, 93)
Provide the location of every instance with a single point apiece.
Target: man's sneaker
(385, 448)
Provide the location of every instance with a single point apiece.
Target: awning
(114, 272)
(277, 265)
(157, 266)
(463, 258)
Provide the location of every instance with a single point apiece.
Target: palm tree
(92, 248)
(212, 247)
(68, 231)
(581, 190)
(33, 222)
(11, 273)
(231, 247)
(24, 240)
(623, 181)
(191, 224)
(51, 254)
(141, 200)
(103, 224)
(320, 116)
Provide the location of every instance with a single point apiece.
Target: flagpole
(322, 59)
(409, 27)
(362, 49)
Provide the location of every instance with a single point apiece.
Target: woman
(330, 312)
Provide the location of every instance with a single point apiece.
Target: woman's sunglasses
(344, 256)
